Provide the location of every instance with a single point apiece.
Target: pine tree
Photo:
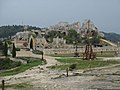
(5, 51)
(14, 51)
(31, 44)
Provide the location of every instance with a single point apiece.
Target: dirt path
(44, 79)
(50, 60)
(112, 58)
(38, 73)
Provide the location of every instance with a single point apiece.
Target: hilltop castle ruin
(24, 37)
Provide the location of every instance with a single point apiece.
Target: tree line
(72, 37)
(6, 31)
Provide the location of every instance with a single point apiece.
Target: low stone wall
(68, 50)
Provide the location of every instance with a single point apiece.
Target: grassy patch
(21, 86)
(22, 68)
(98, 54)
(68, 60)
(63, 55)
(106, 54)
(82, 64)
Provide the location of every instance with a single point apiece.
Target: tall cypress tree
(31, 44)
(5, 51)
(14, 51)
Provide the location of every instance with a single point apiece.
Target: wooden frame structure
(89, 54)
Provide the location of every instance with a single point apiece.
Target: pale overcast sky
(43, 13)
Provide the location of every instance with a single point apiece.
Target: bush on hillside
(17, 49)
(72, 66)
(6, 63)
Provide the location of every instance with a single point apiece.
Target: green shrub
(76, 54)
(6, 63)
(14, 51)
(72, 66)
(17, 49)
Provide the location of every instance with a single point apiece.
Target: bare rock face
(88, 27)
(66, 26)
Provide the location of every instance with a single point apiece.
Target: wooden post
(3, 84)
(42, 55)
(67, 71)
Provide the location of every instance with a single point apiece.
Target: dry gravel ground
(44, 79)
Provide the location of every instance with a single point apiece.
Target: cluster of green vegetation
(71, 37)
(6, 63)
(23, 67)
(6, 31)
(82, 64)
(20, 86)
(53, 34)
